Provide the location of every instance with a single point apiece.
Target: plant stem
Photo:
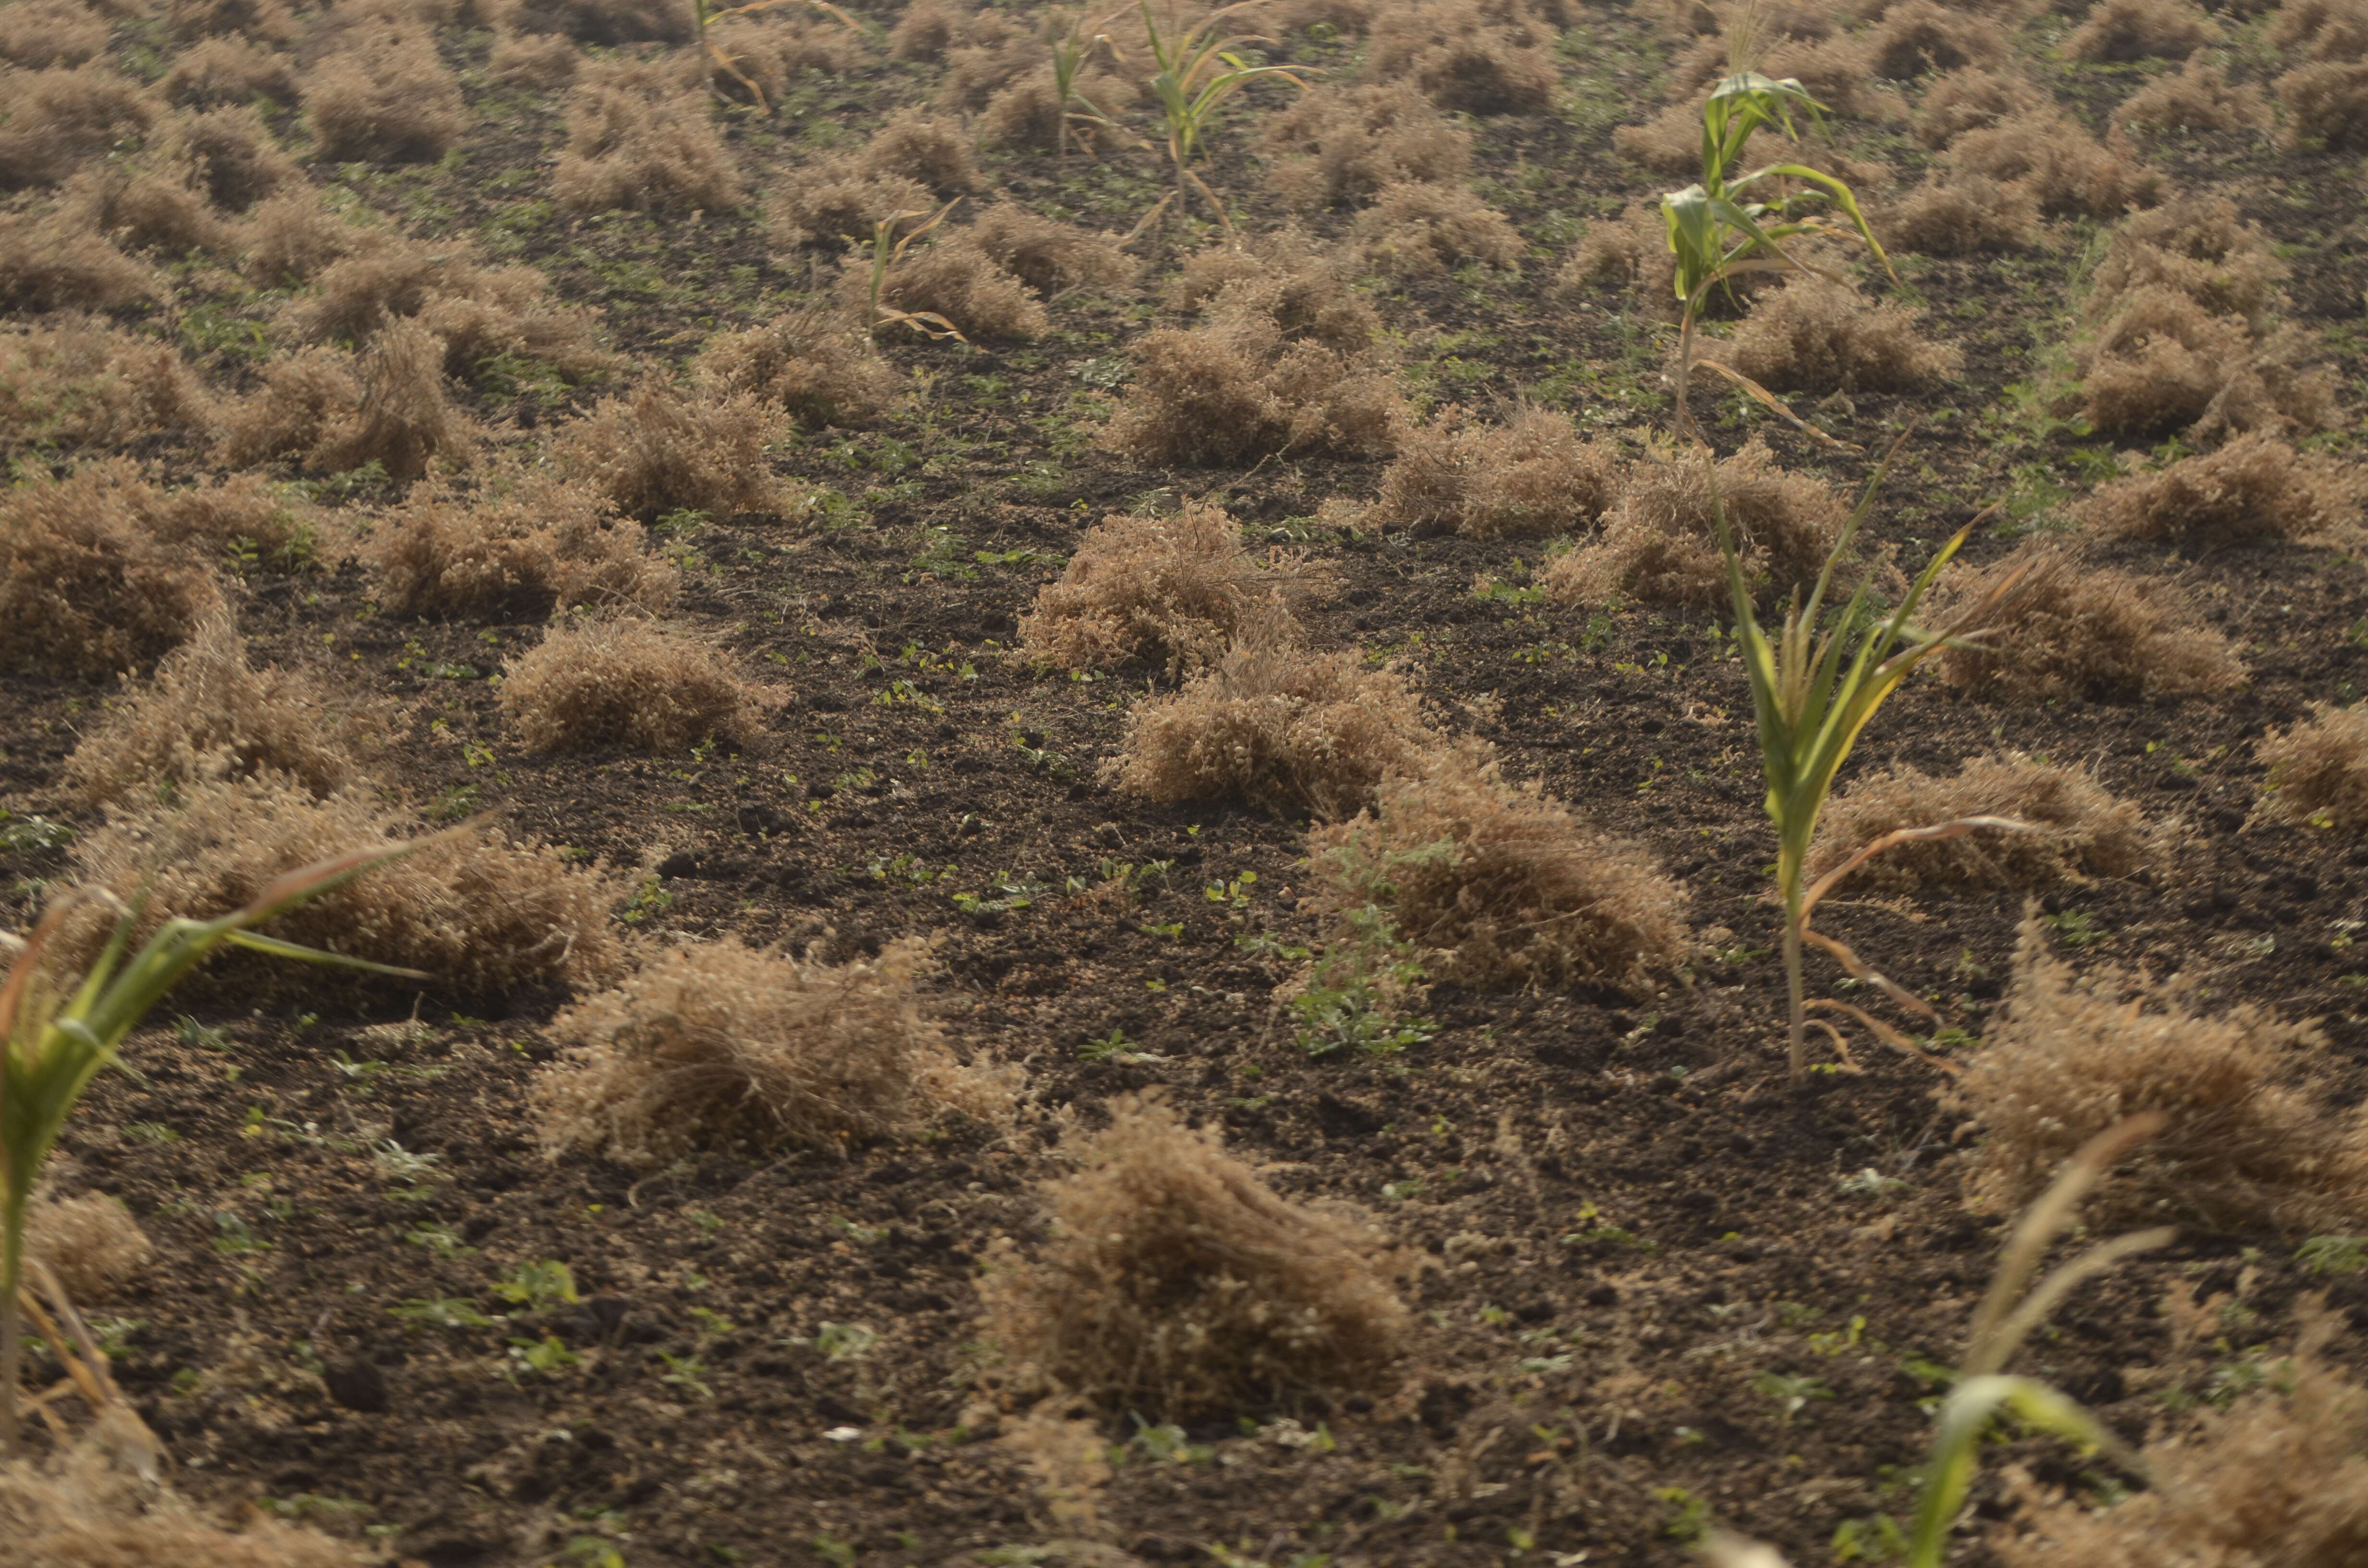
(1799, 1038)
(12, 1263)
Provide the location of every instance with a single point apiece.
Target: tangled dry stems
(92, 385)
(2256, 487)
(1814, 335)
(86, 589)
(521, 549)
(84, 1511)
(815, 365)
(2198, 97)
(386, 96)
(656, 452)
(1334, 146)
(641, 137)
(1534, 475)
(2070, 626)
(1419, 229)
(2319, 769)
(91, 1243)
(2080, 831)
(1176, 1283)
(627, 683)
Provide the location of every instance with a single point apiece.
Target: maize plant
(1198, 71)
(54, 1038)
(887, 249)
(1071, 47)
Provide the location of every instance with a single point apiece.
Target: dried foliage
(231, 154)
(2073, 628)
(2123, 30)
(1418, 229)
(85, 588)
(1962, 216)
(55, 261)
(2247, 1144)
(1972, 99)
(2163, 362)
(92, 1243)
(1028, 112)
(1916, 36)
(837, 200)
(216, 71)
(2198, 97)
(207, 714)
(639, 137)
(92, 386)
(1814, 335)
(2255, 487)
(815, 365)
(241, 510)
(1534, 475)
(1176, 1283)
(2080, 830)
(656, 452)
(303, 396)
(2326, 101)
(627, 683)
(38, 35)
(522, 548)
(954, 278)
(87, 1511)
(1498, 886)
(1334, 146)
(1173, 591)
(606, 23)
(481, 312)
(141, 208)
(724, 1047)
(402, 418)
(928, 152)
(2197, 246)
(482, 916)
(291, 238)
(264, 20)
(1463, 57)
(385, 97)
(1278, 726)
(1631, 250)
(774, 49)
(1049, 255)
(2319, 769)
(60, 119)
(2067, 172)
(1658, 545)
(540, 61)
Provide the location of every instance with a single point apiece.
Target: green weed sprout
(887, 249)
(703, 15)
(1198, 71)
(1814, 692)
(54, 1042)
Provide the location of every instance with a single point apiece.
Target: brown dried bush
(1535, 474)
(259, 19)
(2198, 97)
(2125, 30)
(2326, 102)
(231, 155)
(1834, 71)
(2319, 769)
(720, 1046)
(520, 548)
(1277, 726)
(2247, 1142)
(1498, 886)
(655, 451)
(60, 119)
(402, 419)
(387, 97)
(1962, 216)
(304, 395)
(481, 312)
(216, 513)
(1814, 335)
(837, 200)
(2080, 830)
(2161, 363)
(1306, 293)
(87, 1510)
(1176, 1283)
(2322, 29)
(2199, 247)
(774, 49)
(539, 62)
(954, 278)
(38, 35)
(927, 151)
(2072, 627)
(1972, 99)
(1334, 146)
(814, 364)
(1028, 112)
(142, 208)
(291, 238)
(1239, 389)
(925, 30)
(1631, 250)
(1916, 36)
(92, 1243)
(627, 683)
(987, 51)
(482, 916)
(1173, 591)
(606, 23)
(92, 386)
(207, 714)
(1050, 255)
(1461, 58)
(2255, 487)
(640, 138)
(1421, 230)
(85, 588)
(2067, 172)
(223, 71)
(1658, 545)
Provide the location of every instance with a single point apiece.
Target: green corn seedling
(1198, 71)
(55, 1040)
(887, 249)
(1814, 692)
(1071, 47)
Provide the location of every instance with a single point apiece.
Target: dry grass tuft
(2067, 172)
(1918, 37)
(1173, 591)
(724, 1047)
(1049, 255)
(1813, 335)
(234, 509)
(291, 238)
(39, 35)
(1462, 57)
(1499, 886)
(264, 20)
(2121, 31)
(1533, 475)
(223, 71)
(85, 588)
(956, 279)
(482, 916)
(1176, 1283)
(2197, 246)
(1028, 112)
(539, 62)
(387, 97)
(231, 154)
(2199, 97)
(85, 1511)
(2072, 627)
(1277, 726)
(606, 23)
(1658, 545)
(402, 418)
(774, 51)
(59, 120)
(142, 209)
(209, 715)
(639, 137)
(1420, 230)
(1962, 216)
(2319, 769)
(835, 202)
(2255, 487)
(521, 550)
(656, 452)
(55, 261)
(2166, 356)
(1337, 146)
(1631, 250)
(627, 683)
(928, 152)
(2326, 101)
(303, 396)
(2248, 1143)
(92, 386)
(814, 364)
(92, 1243)
(1972, 100)
(2082, 831)
(480, 311)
